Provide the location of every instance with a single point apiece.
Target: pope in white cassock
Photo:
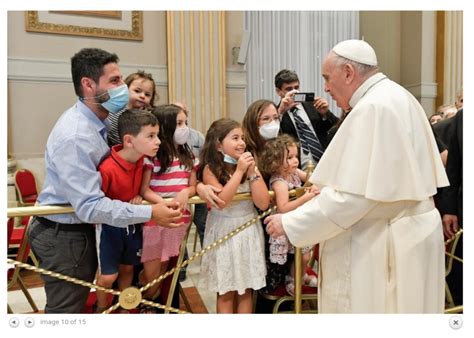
(381, 238)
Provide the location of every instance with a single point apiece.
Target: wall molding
(49, 70)
(423, 90)
(236, 79)
(59, 71)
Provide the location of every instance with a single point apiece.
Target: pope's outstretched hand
(274, 225)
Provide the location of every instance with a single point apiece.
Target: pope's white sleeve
(325, 216)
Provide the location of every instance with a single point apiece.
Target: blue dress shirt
(76, 146)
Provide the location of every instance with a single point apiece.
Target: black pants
(69, 249)
(454, 279)
(200, 217)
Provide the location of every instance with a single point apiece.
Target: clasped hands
(169, 213)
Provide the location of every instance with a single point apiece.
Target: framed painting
(125, 25)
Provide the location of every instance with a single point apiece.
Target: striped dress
(158, 241)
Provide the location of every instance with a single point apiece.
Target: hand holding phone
(303, 97)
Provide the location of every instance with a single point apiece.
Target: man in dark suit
(315, 115)
(451, 204)
(443, 130)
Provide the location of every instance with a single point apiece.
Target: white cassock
(381, 239)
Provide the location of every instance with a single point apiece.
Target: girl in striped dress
(172, 173)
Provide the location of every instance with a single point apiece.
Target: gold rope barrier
(93, 286)
(208, 248)
(456, 309)
(449, 254)
(459, 232)
(131, 297)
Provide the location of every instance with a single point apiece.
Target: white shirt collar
(369, 83)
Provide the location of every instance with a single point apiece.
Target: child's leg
(151, 270)
(310, 280)
(125, 276)
(110, 248)
(106, 281)
(292, 270)
(290, 279)
(244, 302)
(305, 260)
(304, 263)
(133, 243)
(225, 302)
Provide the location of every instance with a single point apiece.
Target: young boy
(119, 249)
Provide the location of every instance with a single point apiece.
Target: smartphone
(303, 97)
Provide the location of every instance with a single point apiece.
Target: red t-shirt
(121, 180)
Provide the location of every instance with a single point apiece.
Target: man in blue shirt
(77, 144)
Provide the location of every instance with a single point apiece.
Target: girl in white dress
(236, 267)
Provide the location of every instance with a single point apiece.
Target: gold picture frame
(100, 27)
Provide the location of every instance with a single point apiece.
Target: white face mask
(181, 135)
(270, 130)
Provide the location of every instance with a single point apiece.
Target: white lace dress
(239, 263)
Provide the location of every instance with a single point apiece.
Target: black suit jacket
(451, 197)
(320, 127)
(444, 130)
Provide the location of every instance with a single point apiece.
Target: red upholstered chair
(25, 184)
(16, 235)
(10, 224)
(13, 274)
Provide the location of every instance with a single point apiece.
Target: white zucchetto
(356, 50)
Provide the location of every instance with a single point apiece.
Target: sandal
(290, 285)
(310, 280)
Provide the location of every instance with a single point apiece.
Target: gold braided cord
(458, 233)
(149, 303)
(454, 257)
(453, 310)
(89, 285)
(155, 281)
(111, 309)
(63, 209)
(62, 277)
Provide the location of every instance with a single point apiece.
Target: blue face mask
(229, 159)
(118, 99)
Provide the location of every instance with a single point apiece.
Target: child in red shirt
(119, 249)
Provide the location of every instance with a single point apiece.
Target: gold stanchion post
(298, 255)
